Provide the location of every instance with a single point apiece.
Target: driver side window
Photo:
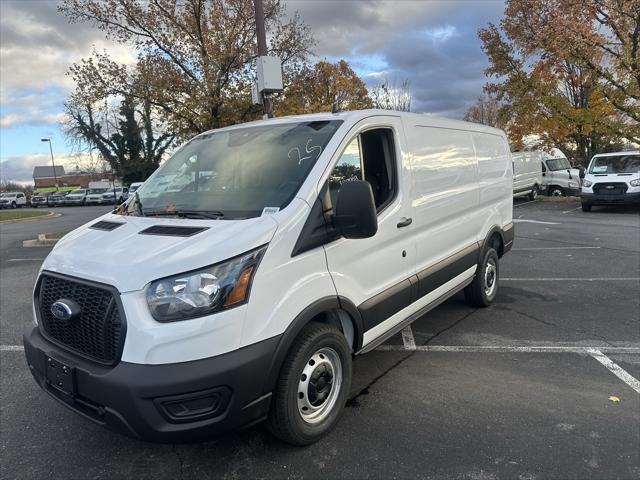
(349, 167)
(370, 157)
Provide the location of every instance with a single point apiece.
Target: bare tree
(390, 96)
(486, 111)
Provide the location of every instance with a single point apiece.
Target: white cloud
(20, 168)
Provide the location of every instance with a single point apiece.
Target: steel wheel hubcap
(490, 278)
(319, 385)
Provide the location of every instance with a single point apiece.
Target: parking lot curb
(28, 219)
(41, 241)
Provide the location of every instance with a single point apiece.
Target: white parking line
(570, 279)
(554, 248)
(513, 349)
(616, 369)
(572, 210)
(25, 260)
(524, 220)
(525, 203)
(407, 338)
(11, 348)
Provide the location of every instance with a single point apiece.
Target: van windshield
(237, 173)
(616, 164)
(555, 164)
(97, 190)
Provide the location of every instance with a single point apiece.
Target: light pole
(55, 177)
(262, 49)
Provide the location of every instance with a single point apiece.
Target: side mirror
(582, 173)
(355, 210)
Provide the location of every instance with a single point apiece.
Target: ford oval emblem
(64, 309)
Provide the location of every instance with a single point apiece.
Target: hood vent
(104, 225)
(172, 231)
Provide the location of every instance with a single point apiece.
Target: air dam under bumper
(160, 403)
(599, 199)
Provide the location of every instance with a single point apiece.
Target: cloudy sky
(433, 44)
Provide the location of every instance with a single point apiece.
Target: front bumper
(149, 401)
(599, 199)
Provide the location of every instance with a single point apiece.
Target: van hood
(124, 258)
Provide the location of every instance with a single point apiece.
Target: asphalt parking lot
(543, 384)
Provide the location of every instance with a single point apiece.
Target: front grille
(97, 332)
(612, 188)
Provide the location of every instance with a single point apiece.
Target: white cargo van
(236, 284)
(612, 179)
(527, 173)
(558, 177)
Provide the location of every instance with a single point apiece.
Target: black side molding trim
(387, 303)
(437, 275)
(508, 236)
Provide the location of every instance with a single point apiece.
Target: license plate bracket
(60, 376)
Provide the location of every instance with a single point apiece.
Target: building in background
(43, 177)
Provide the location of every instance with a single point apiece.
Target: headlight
(202, 292)
(586, 183)
(573, 185)
(635, 183)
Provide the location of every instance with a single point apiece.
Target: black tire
(534, 192)
(556, 191)
(13, 205)
(479, 293)
(586, 207)
(286, 419)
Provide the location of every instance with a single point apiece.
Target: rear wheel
(482, 291)
(586, 207)
(313, 385)
(13, 205)
(534, 192)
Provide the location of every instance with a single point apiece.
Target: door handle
(404, 222)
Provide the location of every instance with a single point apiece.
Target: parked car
(134, 186)
(611, 179)
(527, 173)
(13, 200)
(40, 199)
(249, 297)
(558, 177)
(58, 198)
(76, 197)
(94, 196)
(115, 195)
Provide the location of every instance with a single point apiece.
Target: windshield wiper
(208, 214)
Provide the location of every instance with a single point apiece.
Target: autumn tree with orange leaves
(567, 71)
(319, 88)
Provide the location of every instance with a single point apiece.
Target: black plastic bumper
(159, 403)
(624, 199)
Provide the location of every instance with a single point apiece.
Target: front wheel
(586, 207)
(13, 205)
(482, 291)
(534, 193)
(313, 385)
(556, 192)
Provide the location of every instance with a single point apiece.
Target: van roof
(354, 116)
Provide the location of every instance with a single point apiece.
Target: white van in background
(558, 178)
(527, 173)
(612, 179)
(238, 282)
